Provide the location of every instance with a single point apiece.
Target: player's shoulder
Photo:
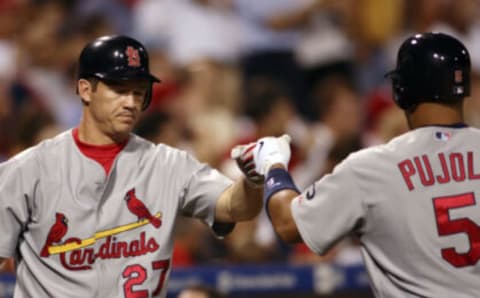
(413, 141)
(65, 137)
(55, 145)
(379, 152)
(426, 136)
(160, 150)
(49, 144)
(31, 154)
(137, 143)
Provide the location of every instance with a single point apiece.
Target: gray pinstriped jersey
(77, 233)
(412, 203)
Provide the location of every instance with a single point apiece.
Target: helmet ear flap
(399, 90)
(148, 97)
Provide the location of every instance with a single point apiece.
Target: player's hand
(243, 155)
(270, 151)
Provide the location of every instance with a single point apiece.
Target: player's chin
(127, 121)
(125, 126)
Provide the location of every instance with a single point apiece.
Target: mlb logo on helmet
(443, 136)
(458, 90)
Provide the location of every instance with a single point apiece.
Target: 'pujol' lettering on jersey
(454, 166)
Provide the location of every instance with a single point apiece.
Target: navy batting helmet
(431, 67)
(116, 58)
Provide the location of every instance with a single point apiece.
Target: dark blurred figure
(32, 128)
(338, 106)
(268, 104)
(271, 31)
(13, 16)
(160, 127)
(269, 111)
(45, 58)
(339, 117)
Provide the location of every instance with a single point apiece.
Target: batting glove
(271, 150)
(243, 155)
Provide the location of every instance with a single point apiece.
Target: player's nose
(132, 99)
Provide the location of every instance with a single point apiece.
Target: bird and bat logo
(54, 244)
(139, 209)
(56, 233)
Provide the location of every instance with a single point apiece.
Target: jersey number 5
(446, 226)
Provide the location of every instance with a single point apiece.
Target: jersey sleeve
(15, 188)
(329, 209)
(202, 191)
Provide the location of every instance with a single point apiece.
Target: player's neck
(435, 114)
(90, 133)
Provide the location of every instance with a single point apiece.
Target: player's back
(421, 232)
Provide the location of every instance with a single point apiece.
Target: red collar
(103, 154)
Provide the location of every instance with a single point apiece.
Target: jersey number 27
(136, 274)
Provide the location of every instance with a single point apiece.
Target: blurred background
(233, 71)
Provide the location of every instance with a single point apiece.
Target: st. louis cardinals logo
(80, 254)
(57, 231)
(138, 208)
(133, 56)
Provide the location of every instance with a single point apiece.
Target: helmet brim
(127, 77)
(391, 74)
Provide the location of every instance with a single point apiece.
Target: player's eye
(119, 89)
(139, 92)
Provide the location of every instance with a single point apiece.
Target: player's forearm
(239, 202)
(281, 216)
(246, 200)
(2, 262)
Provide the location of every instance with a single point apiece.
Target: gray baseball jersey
(77, 233)
(412, 202)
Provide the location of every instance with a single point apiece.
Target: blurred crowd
(232, 71)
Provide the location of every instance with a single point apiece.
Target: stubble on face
(116, 108)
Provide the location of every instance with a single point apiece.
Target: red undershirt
(103, 154)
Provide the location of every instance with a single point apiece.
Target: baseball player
(412, 202)
(91, 212)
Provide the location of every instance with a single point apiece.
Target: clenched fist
(255, 159)
(243, 155)
(271, 150)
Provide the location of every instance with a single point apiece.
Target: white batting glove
(243, 155)
(271, 150)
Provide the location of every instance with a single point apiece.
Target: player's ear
(85, 88)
